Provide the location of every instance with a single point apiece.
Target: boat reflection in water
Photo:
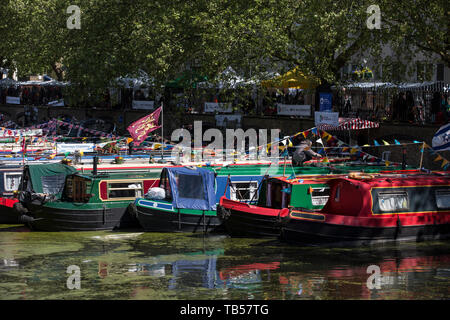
(401, 275)
(168, 266)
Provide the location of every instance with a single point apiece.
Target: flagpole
(162, 130)
(421, 156)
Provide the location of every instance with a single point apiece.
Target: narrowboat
(365, 209)
(188, 202)
(277, 195)
(55, 197)
(261, 217)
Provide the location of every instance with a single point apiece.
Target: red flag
(141, 128)
(24, 146)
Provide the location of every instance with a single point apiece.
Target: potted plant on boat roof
(119, 160)
(66, 161)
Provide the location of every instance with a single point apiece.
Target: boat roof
(117, 175)
(401, 180)
(399, 177)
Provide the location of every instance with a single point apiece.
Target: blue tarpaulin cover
(191, 188)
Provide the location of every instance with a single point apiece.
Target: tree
(419, 24)
(318, 36)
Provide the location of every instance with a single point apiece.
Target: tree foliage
(163, 38)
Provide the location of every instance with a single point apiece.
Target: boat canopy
(191, 188)
(46, 178)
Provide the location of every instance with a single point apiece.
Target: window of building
(440, 72)
(443, 199)
(424, 71)
(125, 190)
(393, 201)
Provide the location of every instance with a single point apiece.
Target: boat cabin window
(77, 189)
(393, 201)
(190, 186)
(11, 181)
(443, 199)
(244, 191)
(319, 196)
(125, 190)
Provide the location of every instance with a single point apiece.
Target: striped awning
(350, 124)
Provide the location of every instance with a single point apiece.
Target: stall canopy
(7, 82)
(229, 78)
(350, 124)
(294, 79)
(191, 188)
(141, 80)
(187, 79)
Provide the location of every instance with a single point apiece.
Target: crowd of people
(32, 95)
(404, 106)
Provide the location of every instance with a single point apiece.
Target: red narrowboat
(277, 195)
(377, 208)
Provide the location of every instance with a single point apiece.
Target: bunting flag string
(340, 145)
(445, 163)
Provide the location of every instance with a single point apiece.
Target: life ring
(360, 175)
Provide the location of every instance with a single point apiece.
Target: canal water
(170, 266)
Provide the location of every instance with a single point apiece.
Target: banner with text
(12, 100)
(223, 120)
(294, 109)
(72, 147)
(326, 102)
(56, 103)
(4, 132)
(142, 104)
(330, 118)
(211, 107)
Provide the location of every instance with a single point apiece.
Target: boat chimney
(94, 169)
(404, 159)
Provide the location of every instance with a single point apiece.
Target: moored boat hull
(241, 223)
(45, 218)
(162, 217)
(309, 232)
(7, 212)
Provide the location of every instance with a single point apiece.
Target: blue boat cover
(191, 188)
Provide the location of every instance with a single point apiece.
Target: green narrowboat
(188, 202)
(57, 198)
